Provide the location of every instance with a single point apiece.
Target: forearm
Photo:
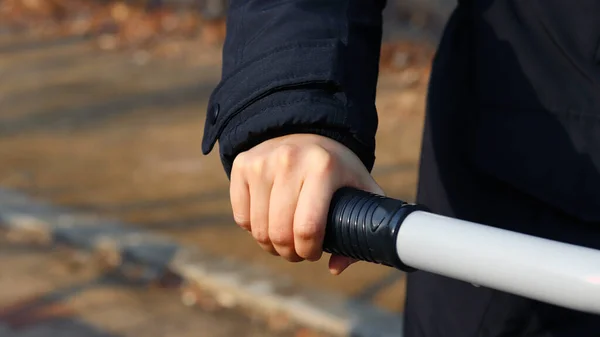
(297, 66)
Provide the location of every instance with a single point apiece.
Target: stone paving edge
(148, 257)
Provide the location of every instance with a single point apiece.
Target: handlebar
(405, 236)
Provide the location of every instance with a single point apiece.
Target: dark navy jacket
(511, 137)
(297, 66)
(528, 89)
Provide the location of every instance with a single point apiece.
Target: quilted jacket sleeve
(297, 66)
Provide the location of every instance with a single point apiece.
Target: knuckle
(309, 230)
(322, 161)
(262, 238)
(257, 166)
(310, 253)
(282, 238)
(287, 156)
(240, 161)
(313, 256)
(249, 164)
(289, 254)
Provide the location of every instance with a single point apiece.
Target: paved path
(40, 296)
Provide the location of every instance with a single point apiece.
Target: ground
(42, 296)
(118, 133)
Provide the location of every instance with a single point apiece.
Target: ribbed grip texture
(364, 226)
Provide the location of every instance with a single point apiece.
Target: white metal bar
(545, 270)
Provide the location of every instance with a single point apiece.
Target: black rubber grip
(364, 226)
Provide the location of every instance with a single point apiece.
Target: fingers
(250, 193)
(240, 197)
(281, 191)
(313, 206)
(260, 190)
(284, 197)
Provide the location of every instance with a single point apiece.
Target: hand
(281, 190)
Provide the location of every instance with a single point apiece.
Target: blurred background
(102, 105)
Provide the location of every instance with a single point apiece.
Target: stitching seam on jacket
(244, 67)
(256, 95)
(326, 102)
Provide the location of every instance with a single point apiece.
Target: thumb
(338, 263)
(370, 185)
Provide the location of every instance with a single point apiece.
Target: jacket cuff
(314, 111)
(268, 73)
(273, 95)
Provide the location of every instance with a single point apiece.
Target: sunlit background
(102, 106)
